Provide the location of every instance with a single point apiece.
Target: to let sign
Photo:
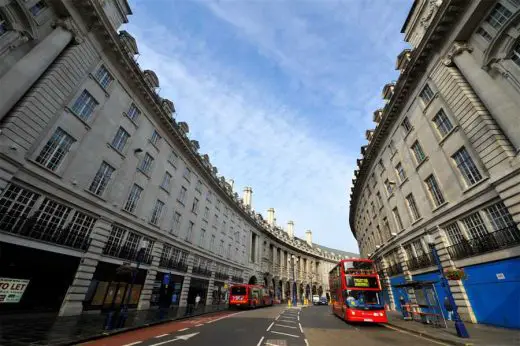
(11, 290)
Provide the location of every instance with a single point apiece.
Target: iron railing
(128, 253)
(201, 271)
(238, 279)
(173, 264)
(394, 269)
(221, 276)
(422, 261)
(504, 238)
(30, 228)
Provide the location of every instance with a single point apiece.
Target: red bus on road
(356, 291)
(249, 296)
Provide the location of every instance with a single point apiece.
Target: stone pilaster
(385, 283)
(211, 285)
(73, 302)
(457, 287)
(403, 260)
(183, 301)
(151, 274)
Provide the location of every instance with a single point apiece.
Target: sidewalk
(49, 329)
(480, 334)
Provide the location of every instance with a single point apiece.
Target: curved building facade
(442, 167)
(98, 176)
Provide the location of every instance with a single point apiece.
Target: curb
(129, 329)
(427, 335)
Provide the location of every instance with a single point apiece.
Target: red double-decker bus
(249, 296)
(356, 291)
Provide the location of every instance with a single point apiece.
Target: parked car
(323, 301)
(315, 299)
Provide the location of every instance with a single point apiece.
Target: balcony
(127, 253)
(221, 276)
(501, 239)
(69, 236)
(419, 262)
(172, 264)
(394, 269)
(201, 271)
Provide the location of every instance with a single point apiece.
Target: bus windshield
(368, 300)
(359, 266)
(238, 290)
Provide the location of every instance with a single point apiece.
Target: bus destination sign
(362, 282)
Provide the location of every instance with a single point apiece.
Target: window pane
(120, 139)
(475, 226)
(498, 16)
(103, 77)
(443, 123)
(133, 198)
(467, 167)
(84, 106)
(435, 191)
(55, 150)
(101, 179)
(426, 94)
(500, 217)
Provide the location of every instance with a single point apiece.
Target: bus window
(238, 290)
(363, 299)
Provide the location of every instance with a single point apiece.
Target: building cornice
(102, 27)
(408, 79)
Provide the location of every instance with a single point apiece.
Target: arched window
(516, 54)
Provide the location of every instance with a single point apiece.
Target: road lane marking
(294, 336)
(221, 318)
(198, 325)
(298, 317)
(161, 336)
(260, 342)
(301, 329)
(283, 325)
(133, 343)
(287, 321)
(269, 328)
(183, 329)
(306, 342)
(277, 317)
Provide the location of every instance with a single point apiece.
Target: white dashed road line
(161, 336)
(283, 325)
(270, 326)
(183, 329)
(260, 342)
(301, 329)
(292, 335)
(198, 325)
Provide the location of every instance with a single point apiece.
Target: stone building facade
(443, 160)
(97, 175)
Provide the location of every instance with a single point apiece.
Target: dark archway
(252, 280)
(307, 291)
(266, 285)
(314, 290)
(320, 291)
(279, 290)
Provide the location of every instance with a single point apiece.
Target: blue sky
(278, 93)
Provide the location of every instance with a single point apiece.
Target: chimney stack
(290, 229)
(308, 237)
(248, 195)
(270, 216)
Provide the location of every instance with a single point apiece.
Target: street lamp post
(143, 245)
(295, 295)
(459, 324)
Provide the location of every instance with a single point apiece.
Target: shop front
(111, 283)
(166, 290)
(220, 290)
(198, 287)
(33, 280)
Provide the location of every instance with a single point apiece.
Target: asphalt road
(274, 326)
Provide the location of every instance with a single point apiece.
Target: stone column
(183, 301)
(30, 67)
(73, 302)
(151, 274)
(211, 285)
(502, 107)
(457, 287)
(385, 283)
(403, 260)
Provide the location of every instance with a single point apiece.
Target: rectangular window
(146, 164)
(120, 139)
(406, 125)
(202, 237)
(475, 226)
(187, 174)
(499, 217)
(195, 206)
(133, 113)
(486, 35)
(103, 77)
(165, 184)
(133, 198)
(215, 221)
(435, 191)
(176, 223)
(426, 94)
(172, 158)
(443, 123)
(373, 209)
(391, 147)
(221, 248)
(212, 243)
(182, 195)
(84, 106)
(498, 16)
(101, 179)
(206, 213)
(198, 187)
(157, 212)
(217, 206)
(189, 232)
(55, 150)
(412, 207)
(379, 199)
(467, 167)
(400, 172)
(155, 138)
(38, 8)
(454, 233)
(389, 187)
(381, 166)
(418, 152)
